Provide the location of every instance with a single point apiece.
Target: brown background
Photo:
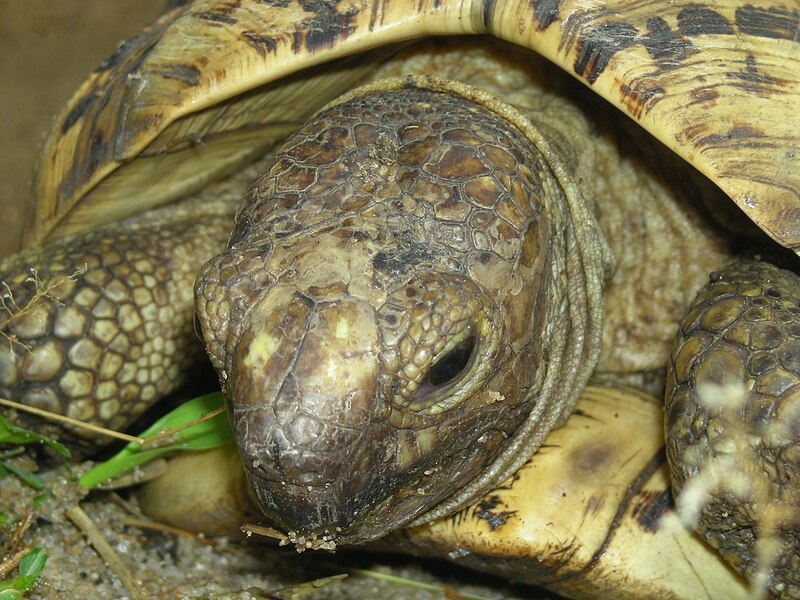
(46, 49)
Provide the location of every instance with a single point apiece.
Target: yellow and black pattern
(702, 79)
(212, 84)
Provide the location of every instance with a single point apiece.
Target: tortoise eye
(448, 368)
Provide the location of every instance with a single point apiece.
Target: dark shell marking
(772, 23)
(665, 46)
(545, 12)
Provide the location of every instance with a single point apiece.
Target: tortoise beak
(302, 395)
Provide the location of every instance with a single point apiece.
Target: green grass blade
(202, 436)
(11, 434)
(27, 477)
(30, 567)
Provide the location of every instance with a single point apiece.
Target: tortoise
(475, 222)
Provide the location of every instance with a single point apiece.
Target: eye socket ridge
(446, 372)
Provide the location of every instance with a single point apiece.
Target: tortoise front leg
(733, 420)
(98, 326)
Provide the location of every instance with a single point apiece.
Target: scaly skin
(98, 326)
(739, 445)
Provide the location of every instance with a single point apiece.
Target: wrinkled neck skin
(401, 314)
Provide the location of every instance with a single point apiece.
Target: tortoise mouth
(357, 512)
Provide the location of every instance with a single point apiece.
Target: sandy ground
(166, 565)
(46, 48)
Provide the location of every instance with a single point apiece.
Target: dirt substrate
(169, 565)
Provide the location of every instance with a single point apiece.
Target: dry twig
(106, 552)
(11, 311)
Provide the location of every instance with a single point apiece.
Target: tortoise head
(378, 316)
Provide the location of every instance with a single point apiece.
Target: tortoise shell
(212, 84)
